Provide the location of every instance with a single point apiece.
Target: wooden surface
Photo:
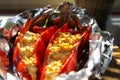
(113, 71)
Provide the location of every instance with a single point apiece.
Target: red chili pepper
(38, 51)
(18, 60)
(71, 61)
(19, 64)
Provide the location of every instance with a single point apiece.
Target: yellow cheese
(63, 45)
(26, 50)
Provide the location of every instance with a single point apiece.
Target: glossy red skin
(71, 62)
(42, 45)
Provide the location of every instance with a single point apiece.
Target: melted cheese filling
(63, 45)
(26, 50)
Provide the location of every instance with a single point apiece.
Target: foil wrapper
(100, 50)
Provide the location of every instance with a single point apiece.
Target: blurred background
(106, 12)
(100, 9)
